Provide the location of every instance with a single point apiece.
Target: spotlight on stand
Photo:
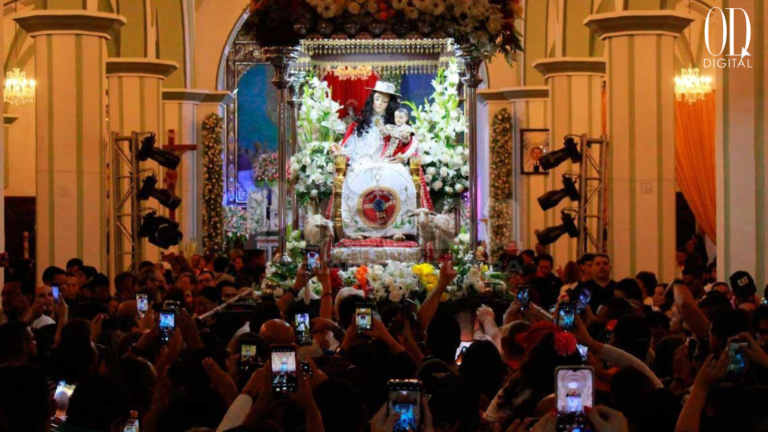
(166, 159)
(160, 231)
(553, 198)
(550, 235)
(570, 151)
(165, 197)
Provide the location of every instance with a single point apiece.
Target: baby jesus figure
(400, 135)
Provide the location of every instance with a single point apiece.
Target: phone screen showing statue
(284, 371)
(524, 297)
(566, 318)
(61, 396)
(167, 324)
(584, 298)
(313, 259)
(303, 333)
(364, 319)
(737, 362)
(574, 392)
(142, 304)
(583, 351)
(405, 402)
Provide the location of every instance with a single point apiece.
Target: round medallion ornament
(378, 207)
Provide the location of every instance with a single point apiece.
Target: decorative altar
(367, 183)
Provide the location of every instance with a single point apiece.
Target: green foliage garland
(501, 181)
(213, 193)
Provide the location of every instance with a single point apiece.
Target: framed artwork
(534, 143)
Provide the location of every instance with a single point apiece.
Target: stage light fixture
(550, 235)
(553, 198)
(553, 159)
(160, 231)
(165, 158)
(165, 197)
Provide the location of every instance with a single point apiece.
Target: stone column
(135, 105)
(180, 111)
(640, 52)
(742, 159)
(575, 95)
(72, 207)
(8, 120)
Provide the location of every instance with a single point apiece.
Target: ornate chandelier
(691, 87)
(18, 89)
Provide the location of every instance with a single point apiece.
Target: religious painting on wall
(256, 127)
(534, 144)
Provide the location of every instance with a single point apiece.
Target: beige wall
(215, 21)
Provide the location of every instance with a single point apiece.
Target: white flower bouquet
(438, 125)
(311, 170)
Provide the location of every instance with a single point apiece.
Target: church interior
(594, 126)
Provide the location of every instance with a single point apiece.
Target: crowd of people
(155, 352)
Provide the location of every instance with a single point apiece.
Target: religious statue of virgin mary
(378, 193)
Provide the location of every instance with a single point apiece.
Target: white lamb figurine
(443, 233)
(318, 231)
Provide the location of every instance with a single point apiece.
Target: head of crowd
(201, 345)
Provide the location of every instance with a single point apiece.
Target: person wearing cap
(96, 290)
(744, 290)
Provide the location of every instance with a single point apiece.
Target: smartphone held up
(167, 324)
(284, 377)
(405, 399)
(574, 392)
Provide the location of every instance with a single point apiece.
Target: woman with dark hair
(484, 368)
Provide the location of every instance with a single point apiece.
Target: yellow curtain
(695, 159)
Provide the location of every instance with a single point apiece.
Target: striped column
(135, 105)
(180, 110)
(575, 94)
(640, 52)
(529, 107)
(742, 159)
(8, 120)
(71, 143)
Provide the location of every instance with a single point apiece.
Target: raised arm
(429, 307)
(692, 315)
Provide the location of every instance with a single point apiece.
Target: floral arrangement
(235, 223)
(265, 168)
(501, 181)
(312, 169)
(438, 125)
(392, 282)
(488, 24)
(213, 193)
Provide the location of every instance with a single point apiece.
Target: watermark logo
(732, 59)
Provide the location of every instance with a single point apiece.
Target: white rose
(428, 178)
(313, 194)
(448, 190)
(437, 185)
(465, 170)
(444, 171)
(431, 171)
(459, 188)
